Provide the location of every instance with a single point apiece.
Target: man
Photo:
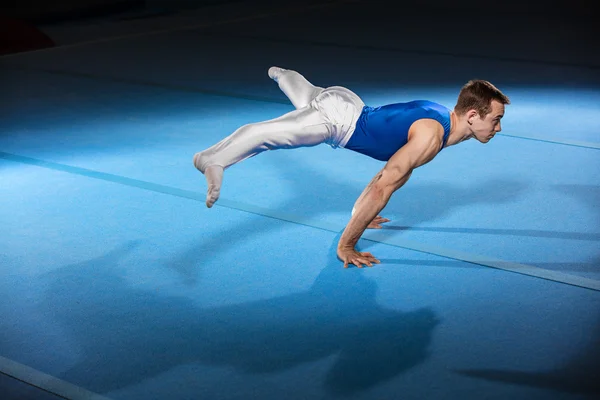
(405, 135)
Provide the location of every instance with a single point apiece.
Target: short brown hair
(477, 95)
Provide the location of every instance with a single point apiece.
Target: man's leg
(299, 90)
(299, 128)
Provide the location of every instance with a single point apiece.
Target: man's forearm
(365, 191)
(371, 204)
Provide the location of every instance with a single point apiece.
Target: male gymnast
(404, 135)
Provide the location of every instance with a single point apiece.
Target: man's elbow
(385, 188)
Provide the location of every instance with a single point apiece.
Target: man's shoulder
(426, 129)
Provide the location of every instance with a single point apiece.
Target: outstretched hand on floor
(351, 256)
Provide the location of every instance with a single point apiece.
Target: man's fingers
(377, 221)
(365, 261)
(359, 260)
(371, 257)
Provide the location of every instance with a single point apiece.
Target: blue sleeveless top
(381, 131)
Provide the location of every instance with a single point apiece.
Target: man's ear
(471, 115)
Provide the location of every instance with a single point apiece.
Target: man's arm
(378, 220)
(423, 145)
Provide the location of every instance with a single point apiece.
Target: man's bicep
(419, 150)
(422, 146)
(398, 169)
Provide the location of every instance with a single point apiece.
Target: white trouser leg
(295, 86)
(299, 128)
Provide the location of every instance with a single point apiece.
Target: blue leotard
(381, 131)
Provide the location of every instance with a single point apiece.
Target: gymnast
(405, 135)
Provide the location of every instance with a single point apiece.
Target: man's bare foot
(214, 178)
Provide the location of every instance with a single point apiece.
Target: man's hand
(351, 256)
(377, 221)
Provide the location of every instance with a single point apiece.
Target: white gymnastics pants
(322, 115)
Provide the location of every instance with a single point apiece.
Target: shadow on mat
(127, 335)
(577, 375)
(503, 232)
(580, 373)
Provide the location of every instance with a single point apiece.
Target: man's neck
(459, 130)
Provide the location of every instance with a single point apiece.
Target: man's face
(485, 128)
